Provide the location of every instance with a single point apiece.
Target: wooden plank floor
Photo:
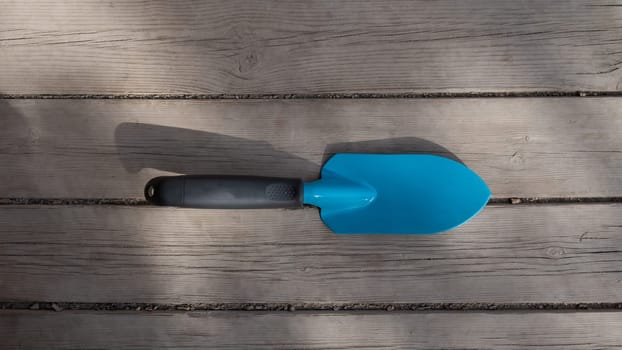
(508, 254)
(318, 46)
(96, 98)
(529, 147)
(232, 330)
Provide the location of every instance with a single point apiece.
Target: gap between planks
(142, 202)
(293, 307)
(331, 96)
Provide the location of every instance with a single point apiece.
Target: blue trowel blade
(395, 193)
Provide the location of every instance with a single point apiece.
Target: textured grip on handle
(224, 192)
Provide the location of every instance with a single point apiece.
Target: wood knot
(250, 46)
(247, 60)
(555, 252)
(517, 158)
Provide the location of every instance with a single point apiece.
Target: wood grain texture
(319, 46)
(234, 330)
(507, 254)
(522, 147)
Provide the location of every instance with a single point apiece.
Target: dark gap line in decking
(354, 95)
(74, 201)
(142, 202)
(291, 307)
(553, 200)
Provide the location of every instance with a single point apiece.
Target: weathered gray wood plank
(228, 330)
(507, 254)
(318, 46)
(554, 147)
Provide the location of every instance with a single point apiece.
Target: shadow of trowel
(187, 151)
(405, 145)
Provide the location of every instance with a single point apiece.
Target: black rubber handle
(224, 192)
